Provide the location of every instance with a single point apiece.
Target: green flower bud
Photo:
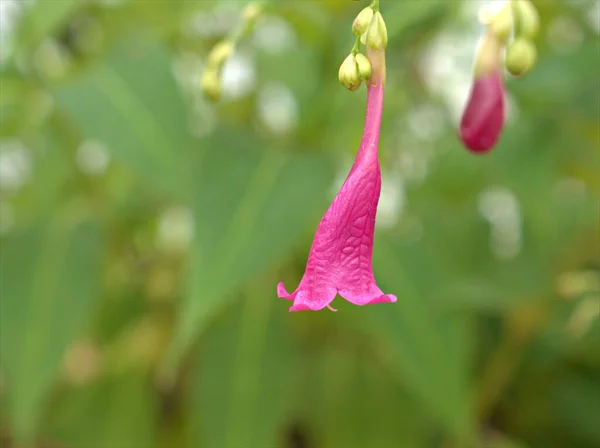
(211, 84)
(251, 12)
(520, 57)
(501, 24)
(348, 74)
(364, 66)
(219, 54)
(529, 19)
(362, 20)
(377, 33)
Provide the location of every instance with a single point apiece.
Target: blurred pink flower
(483, 118)
(340, 257)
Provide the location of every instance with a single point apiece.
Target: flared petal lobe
(340, 257)
(483, 118)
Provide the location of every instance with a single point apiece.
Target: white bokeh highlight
(278, 108)
(92, 158)
(175, 229)
(501, 209)
(275, 36)
(15, 165)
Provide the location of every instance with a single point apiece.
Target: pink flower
(340, 257)
(483, 118)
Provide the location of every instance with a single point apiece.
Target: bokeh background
(144, 228)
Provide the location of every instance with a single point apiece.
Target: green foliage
(133, 106)
(49, 284)
(258, 208)
(145, 230)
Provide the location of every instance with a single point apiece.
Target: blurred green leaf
(251, 206)
(116, 411)
(403, 15)
(132, 105)
(428, 348)
(578, 406)
(500, 441)
(49, 283)
(51, 172)
(347, 399)
(42, 18)
(238, 395)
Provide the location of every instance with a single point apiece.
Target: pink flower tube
(340, 258)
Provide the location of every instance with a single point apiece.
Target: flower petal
(282, 292)
(483, 117)
(314, 300)
(370, 297)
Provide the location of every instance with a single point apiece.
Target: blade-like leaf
(43, 18)
(117, 411)
(346, 399)
(250, 208)
(238, 390)
(49, 280)
(132, 105)
(429, 349)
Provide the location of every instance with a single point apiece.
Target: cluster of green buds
(211, 77)
(370, 30)
(516, 26)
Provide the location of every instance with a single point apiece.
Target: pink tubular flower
(340, 257)
(483, 117)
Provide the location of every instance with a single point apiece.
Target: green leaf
(239, 383)
(577, 406)
(346, 399)
(404, 15)
(428, 349)
(49, 283)
(116, 411)
(42, 18)
(52, 170)
(251, 207)
(132, 105)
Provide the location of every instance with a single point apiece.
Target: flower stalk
(513, 28)
(222, 51)
(340, 258)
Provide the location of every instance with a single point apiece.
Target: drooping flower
(339, 261)
(483, 118)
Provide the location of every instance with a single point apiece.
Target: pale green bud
(501, 24)
(377, 33)
(348, 74)
(529, 19)
(364, 66)
(251, 12)
(362, 20)
(220, 53)
(520, 57)
(211, 84)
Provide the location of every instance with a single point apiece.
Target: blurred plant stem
(520, 327)
(222, 51)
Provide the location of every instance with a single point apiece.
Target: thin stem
(370, 138)
(356, 47)
(375, 5)
(247, 24)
